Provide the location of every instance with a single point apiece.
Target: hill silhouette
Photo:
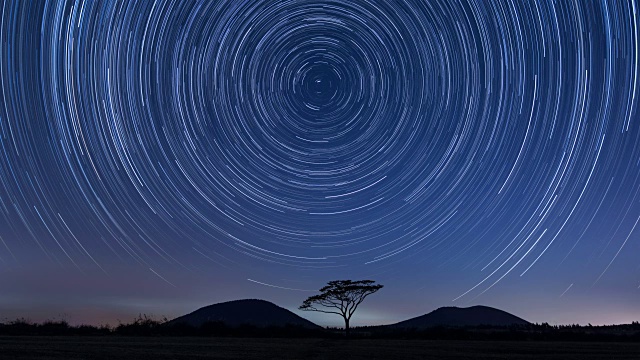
(254, 312)
(459, 317)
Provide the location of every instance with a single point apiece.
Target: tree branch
(343, 295)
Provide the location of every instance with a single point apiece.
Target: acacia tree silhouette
(341, 297)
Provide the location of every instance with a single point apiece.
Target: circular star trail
(320, 133)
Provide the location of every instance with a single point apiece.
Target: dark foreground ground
(112, 347)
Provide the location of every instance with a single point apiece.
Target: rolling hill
(254, 312)
(455, 316)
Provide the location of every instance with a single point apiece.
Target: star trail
(284, 143)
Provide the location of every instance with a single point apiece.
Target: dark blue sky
(160, 156)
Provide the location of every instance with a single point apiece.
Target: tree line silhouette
(145, 325)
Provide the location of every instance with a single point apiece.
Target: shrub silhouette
(142, 325)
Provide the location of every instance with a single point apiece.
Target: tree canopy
(341, 297)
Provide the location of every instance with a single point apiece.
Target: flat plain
(118, 347)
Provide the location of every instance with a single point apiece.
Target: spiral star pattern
(320, 133)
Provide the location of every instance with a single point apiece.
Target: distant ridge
(455, 316)
(259, 313)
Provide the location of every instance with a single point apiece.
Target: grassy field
(112, 347)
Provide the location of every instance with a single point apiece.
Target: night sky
(156, 157)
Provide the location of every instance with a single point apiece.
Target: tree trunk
(346, 327)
